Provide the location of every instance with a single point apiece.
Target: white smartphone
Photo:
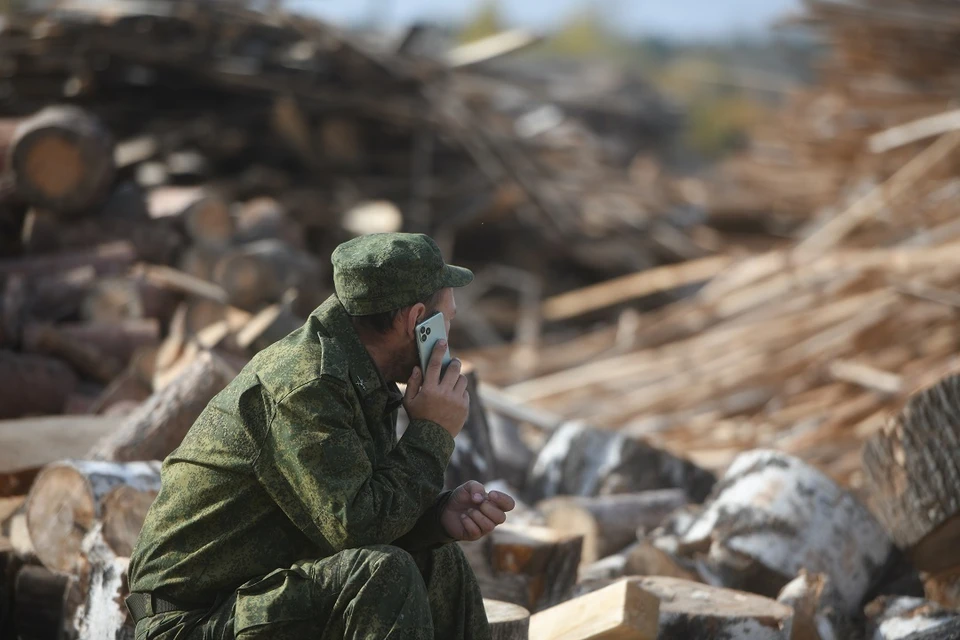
(428, 333)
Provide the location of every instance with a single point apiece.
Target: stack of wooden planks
(810, 344)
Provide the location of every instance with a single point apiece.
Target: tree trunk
(943, 587)
(105, 258)
(71, 498)
(900, 618)
(910, 469)
(33, 385)
(619, 611)
(533, 567)
(261, 272)
(55, 297)
(100, 611)
(609, 523)
(123, 298)
(639, 559)
(40, 611)
(118, 339)
(507, 621)
(266, 219)
(84, 357)
(125, 388)
(581, 461)
(62, 160)
(513, 456)
(29, 444)
(817, 609)
(268, 326)
(208, 222)
(695, 611)
(773, 515)
(158, 426)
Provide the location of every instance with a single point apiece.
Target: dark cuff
(428, 532)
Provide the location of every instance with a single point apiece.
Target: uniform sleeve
(313, 464)
(428, 532)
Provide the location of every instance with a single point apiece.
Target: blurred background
(699, 229)
(713, 225)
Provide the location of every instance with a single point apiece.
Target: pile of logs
(174, 176)
(808, 343)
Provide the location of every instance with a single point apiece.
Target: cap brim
(456, 276)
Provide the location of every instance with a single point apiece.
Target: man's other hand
(443, 400)
(471, 513)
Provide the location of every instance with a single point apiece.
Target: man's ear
(412, 317)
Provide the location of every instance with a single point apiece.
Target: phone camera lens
(428, 331)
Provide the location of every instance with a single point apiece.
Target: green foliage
(720, 123)
(584, 34)
(486, 22)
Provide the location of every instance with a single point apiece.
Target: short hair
(382, 322)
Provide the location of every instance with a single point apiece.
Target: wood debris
(175, 176)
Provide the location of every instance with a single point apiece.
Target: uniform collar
(377, 393)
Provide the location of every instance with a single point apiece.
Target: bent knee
(390, 559)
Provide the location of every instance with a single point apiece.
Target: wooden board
(621, 611)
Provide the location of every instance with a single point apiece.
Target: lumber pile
(831, 295)
(679, 403)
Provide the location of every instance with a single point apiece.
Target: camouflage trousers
(371, 593)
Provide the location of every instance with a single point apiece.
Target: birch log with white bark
(773, 515)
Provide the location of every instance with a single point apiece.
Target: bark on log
(268, 326)
(533, 567)
(105, 258)
(125, 298)
(266, 219)
(69, 499)
(33, 385)
(261, 272)
(897, 618)
(62, 160)
(59, 296)
(817, 609)
(943, 587)
(41, 604)
(581, 461)
(695, 611)
(507, 621)
(772, 515)
(639, 559)
(208, 222)
(98, 609)
(910, 468)
(84, 357)
(125, 388)
(609, 523)
(160, 423)
(621, 611)
(114, 339)
(514, 458)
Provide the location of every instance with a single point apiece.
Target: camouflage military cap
(385, 271)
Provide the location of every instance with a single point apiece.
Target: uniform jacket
(296, 458)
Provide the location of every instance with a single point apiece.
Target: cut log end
(62, 160)
(69, 498)
(507, 621)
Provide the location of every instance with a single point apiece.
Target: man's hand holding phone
(441, 399)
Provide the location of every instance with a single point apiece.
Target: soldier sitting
(292, 510)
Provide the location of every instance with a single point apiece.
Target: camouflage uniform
(291, 509)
